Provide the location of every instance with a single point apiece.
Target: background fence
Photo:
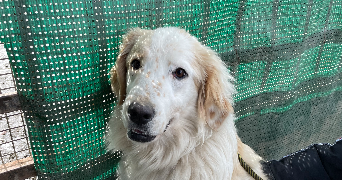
(285, 55)
(14, 144)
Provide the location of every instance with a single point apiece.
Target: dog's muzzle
(140, 115)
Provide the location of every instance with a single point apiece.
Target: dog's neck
(251, 158)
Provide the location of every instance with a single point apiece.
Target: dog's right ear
(215, 90)
(118, 72)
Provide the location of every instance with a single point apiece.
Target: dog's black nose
(140, 114)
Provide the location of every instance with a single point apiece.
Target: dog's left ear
(118, 72)
(216, 89)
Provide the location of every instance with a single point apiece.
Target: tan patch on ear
(212, 114)
(214, 97)
(118, 79)
(114, 81)
(200, 103)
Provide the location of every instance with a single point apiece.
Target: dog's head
(166, 80)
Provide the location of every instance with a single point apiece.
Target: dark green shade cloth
(285, 55)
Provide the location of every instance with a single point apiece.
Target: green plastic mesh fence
(286, 57)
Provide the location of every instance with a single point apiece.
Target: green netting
(285, 55)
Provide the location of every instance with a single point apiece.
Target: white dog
(174, 118)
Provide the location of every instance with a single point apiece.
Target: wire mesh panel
(6, 79)
(14, 144)
(285, 55)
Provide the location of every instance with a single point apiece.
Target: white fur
(201, 141)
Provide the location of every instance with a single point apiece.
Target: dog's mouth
(142, 135)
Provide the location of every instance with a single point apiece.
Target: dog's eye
(135, 64)
(179, 73)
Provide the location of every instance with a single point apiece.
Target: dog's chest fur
(215, 158)
(210, 160)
